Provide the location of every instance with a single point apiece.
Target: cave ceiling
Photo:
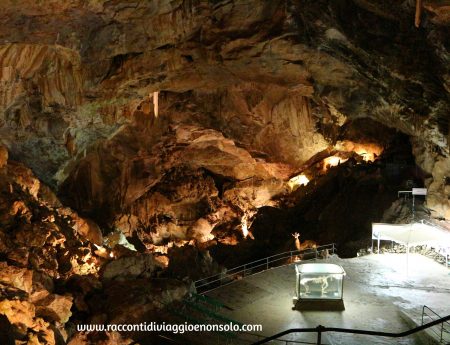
(246, 90)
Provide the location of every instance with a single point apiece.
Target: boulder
(129, 267)
(20, 278)
(55, 308)
(32, 235)
(19, 313)
(88, 229)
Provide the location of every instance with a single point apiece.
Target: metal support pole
(407, 258)
(378, 244)
(319, 334)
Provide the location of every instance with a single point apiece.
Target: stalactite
(155, 102)
(418, 13)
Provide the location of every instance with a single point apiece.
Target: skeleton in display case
(319, 281)
(323, 281)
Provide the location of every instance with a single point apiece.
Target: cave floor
(378, 292)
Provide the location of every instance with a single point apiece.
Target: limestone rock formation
(3, 156)
(129, 267)
(196, 129)
(277, 78)
(44, 245)
(55, 308)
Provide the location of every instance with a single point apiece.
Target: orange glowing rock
(332, 162)
(368, 151)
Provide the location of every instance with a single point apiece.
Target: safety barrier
(321, 329)
(443, 331)
(257, 266)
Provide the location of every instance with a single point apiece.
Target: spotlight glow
(332, 161)
(244, 227)
(297, 181)
(368, 151)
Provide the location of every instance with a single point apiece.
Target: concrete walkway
(377, 289)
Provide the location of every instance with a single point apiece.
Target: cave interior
(146, 145)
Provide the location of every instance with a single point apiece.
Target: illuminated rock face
(51, 260)
(225, 102)
(279, 85)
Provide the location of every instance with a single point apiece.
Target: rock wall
(54, 269)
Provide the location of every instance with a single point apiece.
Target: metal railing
(321, 329)
(252, 337)
(231, 275)
(443, 332)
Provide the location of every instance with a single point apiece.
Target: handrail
(321, 329)
(264, 263)
(286, 341)
(292, 252)
(441, 333)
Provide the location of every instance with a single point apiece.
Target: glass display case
(319, 281)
